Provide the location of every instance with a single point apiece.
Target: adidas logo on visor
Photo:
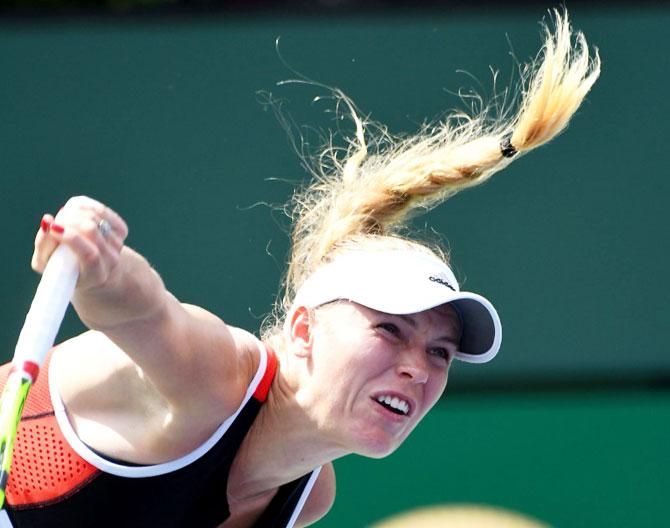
(441, 281)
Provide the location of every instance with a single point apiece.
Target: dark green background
(160, 118)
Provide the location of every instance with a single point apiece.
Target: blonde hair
(364, 198)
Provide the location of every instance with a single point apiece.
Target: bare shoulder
(217, 378)
(191, 356)
(213, 357)
(107, 397)
(87, 362)
(116, 407)
(321, 498)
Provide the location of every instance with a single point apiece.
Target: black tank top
(192, 496)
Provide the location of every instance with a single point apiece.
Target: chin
(377, 456)
(378, 446)
(378, 452)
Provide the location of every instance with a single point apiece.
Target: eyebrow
(449, 339)
(410, 321)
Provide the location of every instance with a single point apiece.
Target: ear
(301, 332)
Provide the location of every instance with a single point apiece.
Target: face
(373, 376)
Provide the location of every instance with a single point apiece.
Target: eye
(390, 328)
(441, 352)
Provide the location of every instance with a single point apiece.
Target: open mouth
(394, 404)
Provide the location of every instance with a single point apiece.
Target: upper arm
(191, 356)
(157, 391)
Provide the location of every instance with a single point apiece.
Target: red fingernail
(45, 225)
(57, 228)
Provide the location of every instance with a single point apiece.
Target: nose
(413, 364)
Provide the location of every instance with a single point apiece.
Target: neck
(292, 445)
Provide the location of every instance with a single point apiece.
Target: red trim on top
(261, 393)
(29, 367)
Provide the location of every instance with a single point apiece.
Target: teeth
(395, 403)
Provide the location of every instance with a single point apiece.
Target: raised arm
(193, 359)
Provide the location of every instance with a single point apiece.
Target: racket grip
(47, 309)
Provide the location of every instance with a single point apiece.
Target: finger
(117, 223)
(84, 223)
(78, 204)
(79, 225)
(110, 256)
(114, 242)
(45, 223)
(45, 244)
(98, 254)
(92, 267)
(109, 242)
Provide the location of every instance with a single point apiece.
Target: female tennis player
(163, 415)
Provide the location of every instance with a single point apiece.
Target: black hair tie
(506, 147)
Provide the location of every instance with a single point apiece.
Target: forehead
(443, 319)
(453, 316)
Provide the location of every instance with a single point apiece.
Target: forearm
(119, 294)
(133, 292)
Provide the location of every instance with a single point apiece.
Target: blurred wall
(163, 119)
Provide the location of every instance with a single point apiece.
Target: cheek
(436, 387)
(337, 354)
(344, 342)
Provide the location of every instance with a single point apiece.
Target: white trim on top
(303, 497)
(121, 470)
(4, 520)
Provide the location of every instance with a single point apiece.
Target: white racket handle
(48, 308)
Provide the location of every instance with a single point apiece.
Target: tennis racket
(36, 338)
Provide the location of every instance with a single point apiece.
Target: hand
(93, 231)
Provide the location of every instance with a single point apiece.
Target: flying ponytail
(374, 194)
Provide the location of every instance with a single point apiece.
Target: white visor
(405, 282)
